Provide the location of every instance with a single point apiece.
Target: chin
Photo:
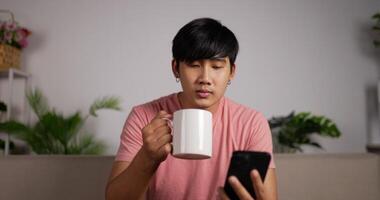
(204, 103)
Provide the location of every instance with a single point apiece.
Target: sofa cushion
(300, 177)
(328, 176)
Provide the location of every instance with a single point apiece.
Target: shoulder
(241, 110)
(151, 108)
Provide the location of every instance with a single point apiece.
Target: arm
(130, 180)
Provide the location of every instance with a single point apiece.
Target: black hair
(204, 38)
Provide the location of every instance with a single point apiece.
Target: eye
(217, 67)
(193, 65)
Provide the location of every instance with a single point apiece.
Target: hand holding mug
(157, 138)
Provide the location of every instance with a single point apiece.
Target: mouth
(203, 93)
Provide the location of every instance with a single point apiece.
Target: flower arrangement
(14, 35)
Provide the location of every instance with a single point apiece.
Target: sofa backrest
(328, 176)
(300, 177)
(54, 177)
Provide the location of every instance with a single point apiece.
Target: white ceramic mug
(192, 134)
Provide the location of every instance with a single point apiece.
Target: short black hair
(204, 38)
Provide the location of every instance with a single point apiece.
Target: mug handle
(170, 124)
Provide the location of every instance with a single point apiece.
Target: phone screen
(242, 163)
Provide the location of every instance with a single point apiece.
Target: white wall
(312, 55)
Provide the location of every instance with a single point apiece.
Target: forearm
(133, 182)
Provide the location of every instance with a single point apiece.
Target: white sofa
(300, 177)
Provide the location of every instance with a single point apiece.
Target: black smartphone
(242, 163)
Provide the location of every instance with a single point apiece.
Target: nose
(204, 78)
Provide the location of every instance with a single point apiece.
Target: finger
(165, 150)
(157, 122)
(239, 189)
(222, 194)
(165, 139)
(258, 184)
(161, 131)
(151, 138)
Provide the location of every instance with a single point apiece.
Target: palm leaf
(86, 144)
(15, 128)
(112, 103)
(73, 125)
(55, 133)
(37, 102)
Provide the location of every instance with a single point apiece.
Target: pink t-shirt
(235, 127)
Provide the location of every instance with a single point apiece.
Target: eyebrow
(218, 59)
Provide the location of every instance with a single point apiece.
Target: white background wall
(303, 55)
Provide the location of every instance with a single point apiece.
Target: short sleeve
(131, 137)
(261, 138)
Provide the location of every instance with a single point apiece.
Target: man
(204, 53)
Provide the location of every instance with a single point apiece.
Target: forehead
(224, 60)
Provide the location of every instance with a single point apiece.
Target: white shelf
(16, 72)
(11, 74)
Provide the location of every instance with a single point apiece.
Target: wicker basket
(9, 57)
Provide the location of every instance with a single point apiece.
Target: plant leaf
(275, 122)
(112, 103)
(11, 145)
(315, 145)
(296, 131)
(73, 123)
(3, 107)
(37, 102)
(86, 144)
(15, 128)
(54, 133)
(376, 43)
(376, 16)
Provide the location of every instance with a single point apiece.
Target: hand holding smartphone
(242, 163)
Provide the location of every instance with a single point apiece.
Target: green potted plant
(294, 130)
(376, 29)
(54, 133)
(373, 146)
(3, 110)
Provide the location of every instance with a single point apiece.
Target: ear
(233, 72)
(174, 68)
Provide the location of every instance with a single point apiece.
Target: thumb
(258, 185)
(165, 150)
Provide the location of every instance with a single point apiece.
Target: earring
(177, 79)
(229, 82)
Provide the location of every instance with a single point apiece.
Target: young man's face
(203, 82)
